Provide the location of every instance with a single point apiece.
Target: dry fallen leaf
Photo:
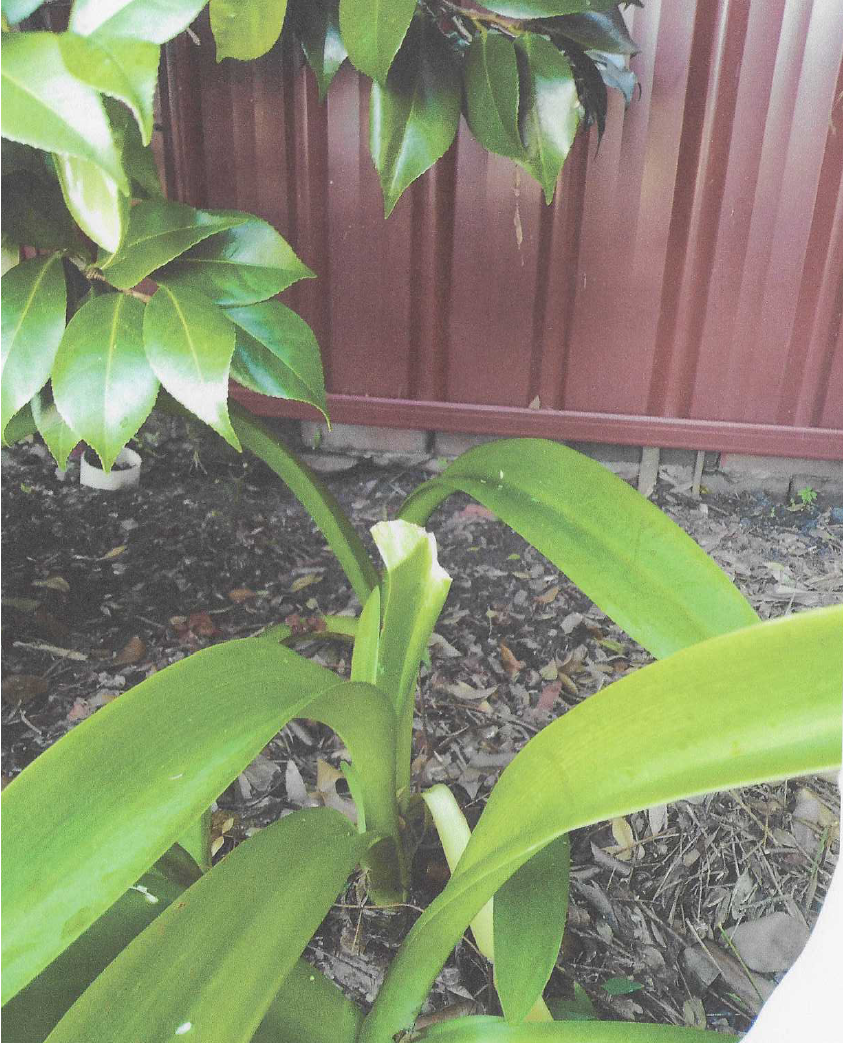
(657, 817)
(201, 624)
(240, 594)
(80, 710)
(512, 665)
(115, 552)
(550, 693)
(53, 583)
(132, 652)
(304, 581)
(327, 778)
(296, 789)
(548, 596)
(624, 837)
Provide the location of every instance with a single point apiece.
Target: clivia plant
(117, 926)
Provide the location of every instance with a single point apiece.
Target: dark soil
(101, 589)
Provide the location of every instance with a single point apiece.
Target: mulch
(100, 590)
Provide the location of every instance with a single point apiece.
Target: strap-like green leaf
(309, 1007)
(413, 590)
(492, 92)
(276, 353)
(530, 911)
(550, 112)
(139, 19)
(102, 382)
(189, 343)
(757, 704)
(373, 30)
(81, 825)
(34, 304)
(242, 265)
(158, 231)
(318, 27)
(20, 426)
(246, 29)
(485, 1029)
(545, 8)
(183, 979)
(120, 67)
(598, 31)
(621, 550)
(413, 117)
(317, 500)
(58, 436)
(98, 206)
(30, 1016)
(45, 106)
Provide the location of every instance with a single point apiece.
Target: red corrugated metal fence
(685, 289)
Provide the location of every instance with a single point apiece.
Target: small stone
(837, 515)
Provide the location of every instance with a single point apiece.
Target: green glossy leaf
(492, 92)
(59, 438)
(98, 206)
(413, 117)
(80, 826)
(45, 106)
(719, 714)
(373, 30)
(317, 500)
(580, 1008)
(20, 426)
(15, 11)
(183, 980)
(550, 112)
(598, 31)
(309, 1007)
(414, 587)
(277, 354)
(364, 658)
(485, 1029)
(621, 550)
(196, 841)
(158, 231)
(242, 265)
(34, 304)
(120, 67)
(246, 29)
(545, 8)
(318, 27)
(30, 1016)
(103, 385)
(530, 911)
(189, 343)
(149, 20)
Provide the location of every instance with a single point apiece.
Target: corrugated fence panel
(684, 289)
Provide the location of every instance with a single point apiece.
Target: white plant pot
(124, 474)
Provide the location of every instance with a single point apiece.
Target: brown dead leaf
(535, 404)
(240, 594)
(201, 624)
(624, 837)
(568, 684)
(549, 695)
(296, 789)
(327, 778)
(115, 552)
(80, 710)
(132, 652)
(53, 583)
(549, 672)
(23, 688)
(474, 512)
(509, 662)
(549, 595)
(304, 581)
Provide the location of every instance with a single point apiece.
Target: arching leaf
(492, 94)
(34, 305)
(598, 31)
(545, 8)
(149, 20)
(59, 438)
(98, 206)
(246, 29)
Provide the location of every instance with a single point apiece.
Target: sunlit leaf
(246, 29)
(545, 8)
(102, 382)
(149, 20)
(98, 206)
(45, 106)
(373, 30)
